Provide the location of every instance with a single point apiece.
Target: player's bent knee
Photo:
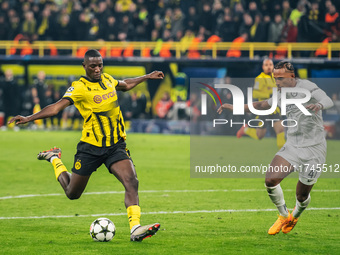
(73, 195)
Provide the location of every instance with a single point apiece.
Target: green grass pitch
(192, 211)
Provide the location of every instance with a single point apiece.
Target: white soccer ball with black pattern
(102, 230)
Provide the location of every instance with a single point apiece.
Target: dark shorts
(275, 115)
(89, 157)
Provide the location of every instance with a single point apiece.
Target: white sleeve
(322, 98)
(270, 101)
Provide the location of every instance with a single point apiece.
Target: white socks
(52, 158)
(276, 195)
(300, 207)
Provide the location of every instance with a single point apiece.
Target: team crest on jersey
(77, 165)
(70, 89)
(109, 84)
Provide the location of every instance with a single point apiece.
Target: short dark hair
(92, 53)
(289, 68)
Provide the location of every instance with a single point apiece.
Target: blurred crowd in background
(25, 100)
(171, 20)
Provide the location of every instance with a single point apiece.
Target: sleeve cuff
(69, 99)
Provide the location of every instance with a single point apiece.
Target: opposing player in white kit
(305, 149)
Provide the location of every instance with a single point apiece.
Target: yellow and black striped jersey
(97, 102)
(263, 87)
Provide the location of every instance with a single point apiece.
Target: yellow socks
(251, 132)
(280, 140)
(133, 213)
(58, 166)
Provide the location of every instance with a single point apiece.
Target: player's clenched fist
(224, 106)
(156, 75)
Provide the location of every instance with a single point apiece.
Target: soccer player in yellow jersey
(264, 84)
(103, 137)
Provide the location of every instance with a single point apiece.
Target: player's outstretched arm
(48, 111)
(261, 105)
(127, 84)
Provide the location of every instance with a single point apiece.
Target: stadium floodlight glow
(298, 96)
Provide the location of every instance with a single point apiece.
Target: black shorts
(89, 157)
(276, 115)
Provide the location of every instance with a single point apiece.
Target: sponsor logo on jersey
(98, 99)
(70, 89)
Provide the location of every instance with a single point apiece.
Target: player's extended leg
(125, 172)
(279, 169)
(280, 134)
(74, 184)
(302, 201)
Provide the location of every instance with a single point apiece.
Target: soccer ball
(102, 230)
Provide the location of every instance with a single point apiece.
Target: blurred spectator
(275, 29)
(258, 31)
(135, 107)
(314, 12)
(335, 110)
(331, 18)
(167, 22)
(103, 12)
(286, 10)
(29, 26)
(246, 24)
(14, 27)
(163, 106)
(93, 32)
(4, 31)
(45, 26)
(289, 32)
(252, 9)
(192, 20)
(109, 30)
(297, 13)
(10, 95)
(63, 28)
(177, 22)
(218, 14)
(126, 29)
(207, 19)
(38, 90)
(227, 29)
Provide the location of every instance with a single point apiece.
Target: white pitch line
(156, 191)
(161, 212)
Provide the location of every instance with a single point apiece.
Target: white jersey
(309, 130)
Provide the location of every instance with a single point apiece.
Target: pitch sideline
(157, 191)
(160, 212)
